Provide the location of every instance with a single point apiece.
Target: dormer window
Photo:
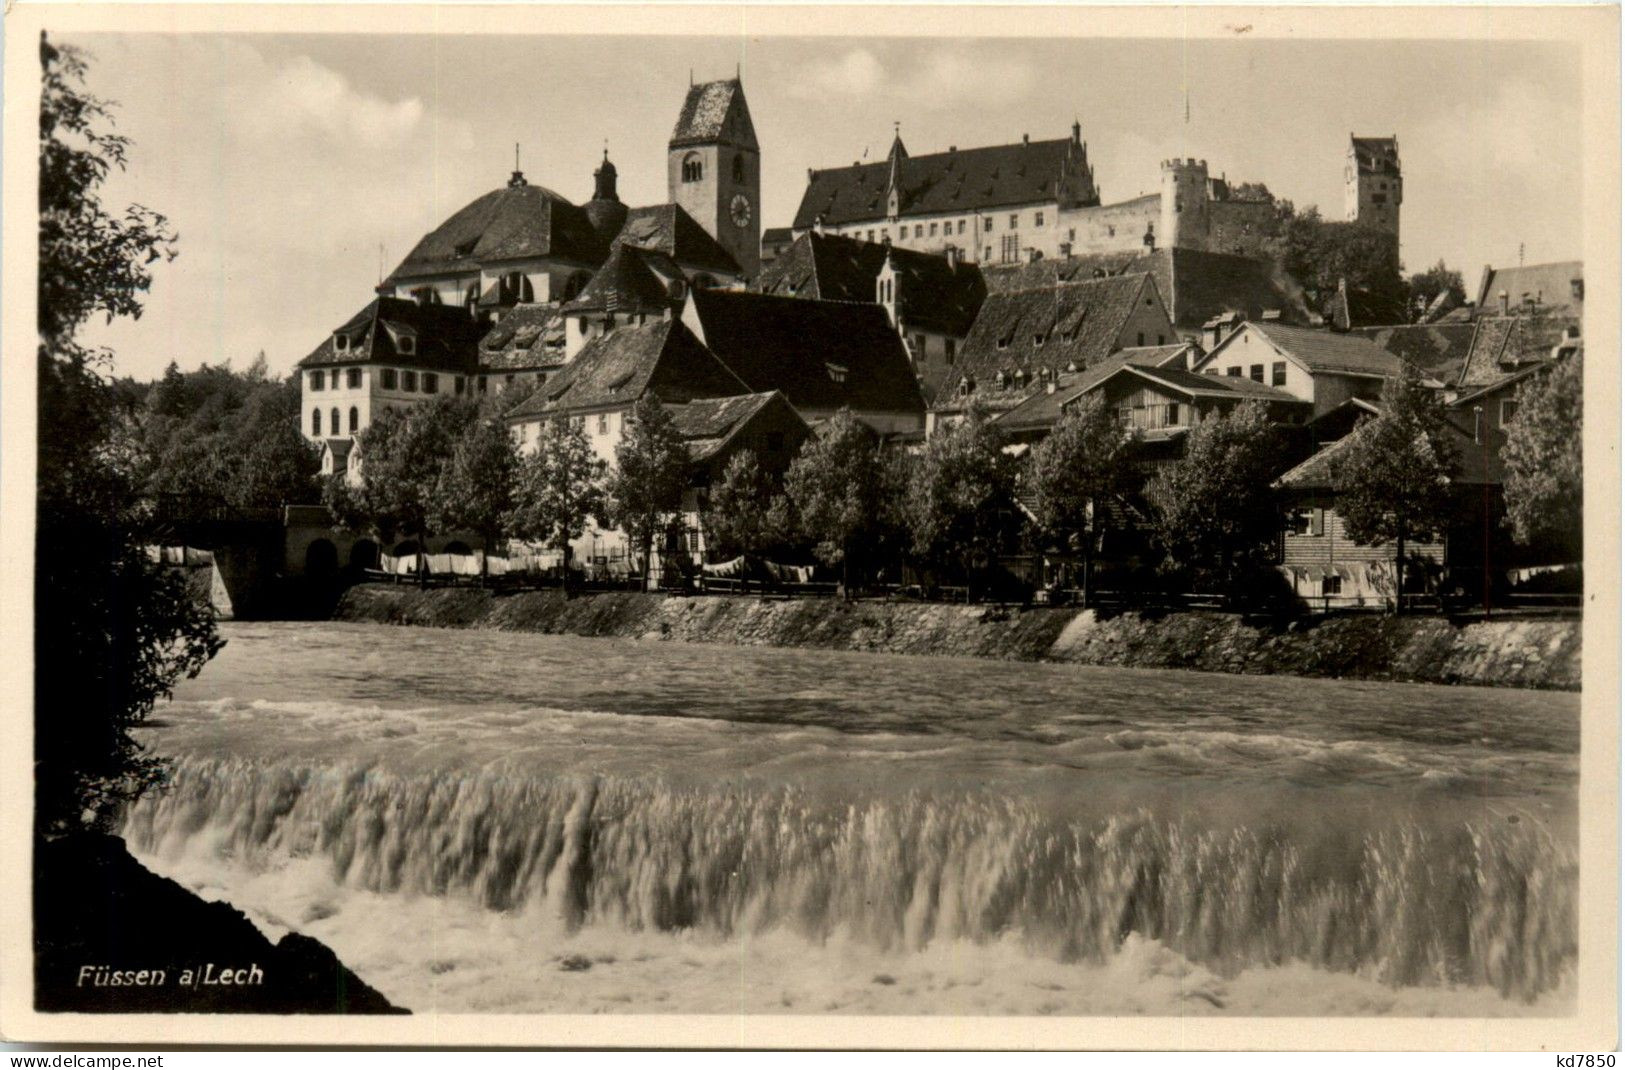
(406, 345)
(341, 342)
(1038, 341)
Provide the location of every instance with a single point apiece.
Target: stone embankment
(1503, 653)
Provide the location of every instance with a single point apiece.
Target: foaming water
(1092, 843)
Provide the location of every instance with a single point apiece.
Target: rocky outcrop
(1527, 653)
(111, 936)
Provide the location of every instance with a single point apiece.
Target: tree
(650, 476)
(1082, 463)
(476, 485)
(1216, 503)
(1393, 478)
(1544, 480)
(834, 485)
(744, 514)
(113, 631)
(558, 488)
(1427, 285)
(1320, 254)
(961, 496)
(403, 454)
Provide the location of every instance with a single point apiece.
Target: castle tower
(1184, 205)
(714, 169)
(1372, 186)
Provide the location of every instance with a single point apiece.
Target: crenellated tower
(1184, 205)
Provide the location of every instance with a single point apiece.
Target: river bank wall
(1518, 653)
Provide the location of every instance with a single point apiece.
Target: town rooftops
(1351, 307)
(631, 280)
(619, 367)
(1044, 408)
(706, 115)
(1556, 287)
(959, 180)
(1023, 332)
(709, 424)
(527, 336)
(932, 295)
(516, 222)
(1317, 472)
(1503, 344)
(821, 354)
(1437, 350)
(393, 330)
(1376, 155)
(1323, 351)
(668, 229)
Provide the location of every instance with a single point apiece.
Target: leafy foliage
(650, 474)
(1545, 484)
(113, 631)
(1083, 462)
(835, 486)
(744, 514)
(1393, 479)
(1216, 504)
(559, 487)
(475, 489)
(403, 453)
(961, 497)
(1320, 254)
(1427, 285)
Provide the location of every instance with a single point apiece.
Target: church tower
(714, 169)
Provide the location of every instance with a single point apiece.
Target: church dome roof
(516, 222)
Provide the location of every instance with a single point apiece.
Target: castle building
(1372, 186)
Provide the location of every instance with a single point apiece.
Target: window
(388, 377)
(1256, 373)
(507, 384)
(1298, 522)
(1478, 425)
(334, 382)
(1278, 373)
(1139, 338)
(987, 224)
(693, 167)
(1509, 410)
(919, 230)
(933, 230)
(406, 345)
(1236, 371)
(341, 343)
(318, 380)
(409, 382)
(482, 384)
(1173, 414)
(961, 226)
(1038, 340)
(603, 423)
(837, 372)
(355, 419)
(948, 347)
(919, 346)
(431, 383)
(987, 254)
(1015, 221)
(739, 169)
(316, 422)
(334, 425)
(1331, 584)
(1010, 248)
(352, 378)
(1038, 219)
(457, 384)
(1071, 233)
(1379, 198)
(871, 235)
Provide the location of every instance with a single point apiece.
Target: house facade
(1323, 368)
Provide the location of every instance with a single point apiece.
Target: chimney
(1504, 303)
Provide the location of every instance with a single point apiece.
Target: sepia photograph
(776, 522)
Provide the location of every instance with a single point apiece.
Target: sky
(292, 166)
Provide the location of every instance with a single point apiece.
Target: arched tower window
(316, 422)
(355, 419)
(693, 167)
(335, 423)
(739, 169)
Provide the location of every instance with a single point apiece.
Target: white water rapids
(478, 821)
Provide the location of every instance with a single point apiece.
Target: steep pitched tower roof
(715, 111)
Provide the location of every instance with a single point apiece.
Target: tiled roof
(705, 114)
(820, 354)
(1037, 274)
(931, 295)
(1325, 351)
(1504, 343)
(512, 223)
(777, 236)
(961, 180)
(618, 368)
(1504, 381)
(708, 424)
(340, 449)
(527, 336)
(444, 337)
(1316, 473)
(1437, 350)
(1078, 323)
(1045, 407)
(1549, 285)
(631, 280)
(1204, 385)
(1376, 155)
(667, 228)
(1351, 307)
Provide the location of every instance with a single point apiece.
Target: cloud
(931, 77)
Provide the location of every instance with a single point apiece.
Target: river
(483, 821)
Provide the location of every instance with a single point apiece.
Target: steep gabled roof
(820, 354)
(1026, 331)
(1491, 387)
(527, 336)
(618, 368)
(1437, 350)
(714, 111)
(1325, 351)
(1196, 385)
(709, 424)
(1503, 343)
(631, 280)
(960, 180)
(932, 296)
(667, 228)
(1352, 307)
(1316, 473)
(1551, 286)
(512, 223)
(444, 337)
